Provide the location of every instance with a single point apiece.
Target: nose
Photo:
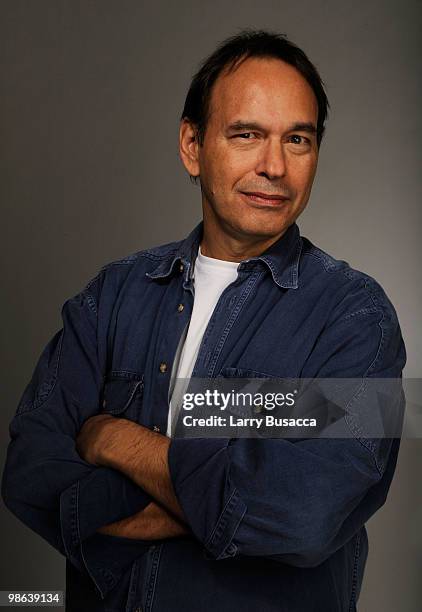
(272, 162)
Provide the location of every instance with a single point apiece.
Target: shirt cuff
(101, 498)
(199, 469)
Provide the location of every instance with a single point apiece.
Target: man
(151, 522)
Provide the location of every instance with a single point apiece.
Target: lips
(264, 198)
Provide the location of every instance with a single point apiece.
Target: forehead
(262, 89)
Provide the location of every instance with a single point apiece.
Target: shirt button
(163, 367)
(181, 267)
(155, 428)
(180, 307)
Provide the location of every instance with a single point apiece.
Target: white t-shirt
(210, 277)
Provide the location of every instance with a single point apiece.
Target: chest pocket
(122, 396)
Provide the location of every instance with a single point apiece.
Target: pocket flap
(118, 393)
(242, 373)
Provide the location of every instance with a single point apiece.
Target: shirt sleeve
(296, 500)
(45, 482)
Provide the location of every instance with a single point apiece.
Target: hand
(98, 436)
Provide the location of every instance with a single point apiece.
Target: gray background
(91, 93)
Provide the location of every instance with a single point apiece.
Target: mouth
(264, 199)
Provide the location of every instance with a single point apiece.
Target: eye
(299, 140)
(245, 135)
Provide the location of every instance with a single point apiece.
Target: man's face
(260, 139)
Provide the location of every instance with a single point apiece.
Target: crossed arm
(141, 455)
(233, 492)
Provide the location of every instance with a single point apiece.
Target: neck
(231, 247)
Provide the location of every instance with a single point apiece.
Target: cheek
(224, 173)
(303, 176)
(224, 168)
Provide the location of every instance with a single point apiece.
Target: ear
(189, 147)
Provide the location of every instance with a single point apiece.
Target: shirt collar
(282, 258)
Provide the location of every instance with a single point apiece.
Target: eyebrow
(248, 125)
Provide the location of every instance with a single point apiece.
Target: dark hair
(231, 53)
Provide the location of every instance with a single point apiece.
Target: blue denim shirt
(277, 524)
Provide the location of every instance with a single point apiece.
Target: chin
(267, 224)
(262, 230)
